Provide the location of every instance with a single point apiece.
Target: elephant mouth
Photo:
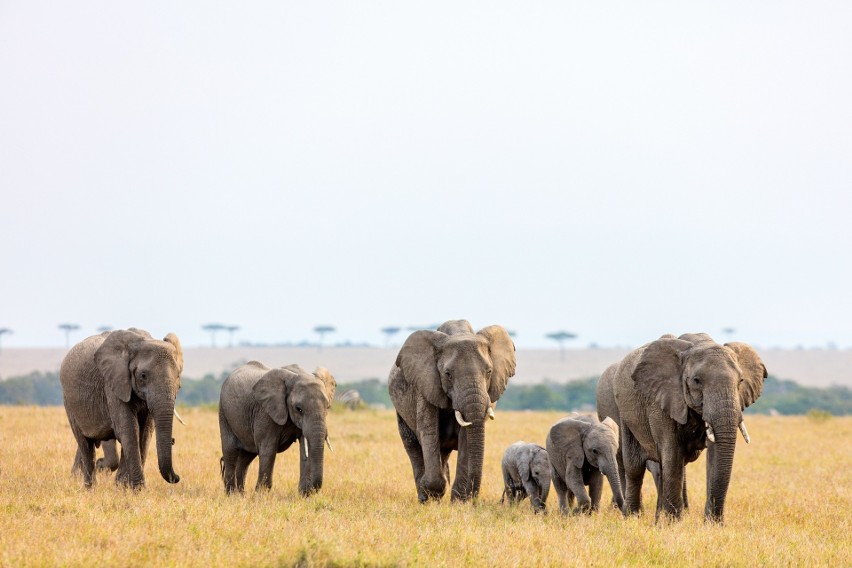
(464, 423)
(712, 436)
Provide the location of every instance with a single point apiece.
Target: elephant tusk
(745, 433)
(179, 418)
(710, 435)
(461, 420)
(490, 413)
(329, 444)
(305, 442)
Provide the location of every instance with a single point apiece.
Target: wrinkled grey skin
(608, 408)
(526, 473)
(122, 385)
(262, 411)
(582, 451)
(667, 393)
(436, 374)
(109, 461)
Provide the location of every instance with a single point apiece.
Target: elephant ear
(610, 423)
(173, 339)
(418, 359)
(568, 436)
(113, 361)
(502, 350)
(658, 375)
(330, 384)
(754, 372)
(271, 392)
(525, 463)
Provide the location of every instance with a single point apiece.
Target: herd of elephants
(657, 409)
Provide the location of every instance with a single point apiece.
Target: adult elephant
(444, 384)
(262, 411)
(676, 396)
(122, 385)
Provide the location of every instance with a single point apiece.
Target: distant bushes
(783, 397)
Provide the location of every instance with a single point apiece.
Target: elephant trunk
(476, 455)
(720, 461)
(311, 480)
(611, 474)
(163, 421)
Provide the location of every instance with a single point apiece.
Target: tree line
(783, 397)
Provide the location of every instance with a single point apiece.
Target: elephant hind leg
(415, 455)
(243, 461)
(634, 472)
(561, 492)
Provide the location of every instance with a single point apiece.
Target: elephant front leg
(265, 470)
(534, 491)
(634, 472)
(415, 455)
(432, 483)
(672, 486)
(595, 489)
(130, 470)
(574, 480)
(565, 503)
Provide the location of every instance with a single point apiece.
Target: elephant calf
(526, 472)
(262, 411)
(581, 450)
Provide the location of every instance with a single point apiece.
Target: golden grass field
(790, 503)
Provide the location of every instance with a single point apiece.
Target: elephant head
(693, 376)
(293, 394)
(133, 364)
(534, 467)
(455, 369)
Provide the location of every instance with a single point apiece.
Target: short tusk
(179, 418)
(461, 420)
(329, 444)
(710, 435)
(490, 413)
(305, 443)
(745, 433)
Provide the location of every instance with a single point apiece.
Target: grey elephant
(676, 396)
(122, 385)
(443, 386)
(582, 450)
(526, 473)
(262, 411)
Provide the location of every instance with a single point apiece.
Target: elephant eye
(143, 375)
(594, 451)
(696, 379)
(447, 374)
(488, 372)
(299, 409)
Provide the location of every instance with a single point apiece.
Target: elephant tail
(222, 467)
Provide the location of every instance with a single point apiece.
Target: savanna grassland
(790, 503)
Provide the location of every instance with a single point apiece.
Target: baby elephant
(526, 472)
(581, 448)
(262, 411)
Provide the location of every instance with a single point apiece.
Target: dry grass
(790, 503)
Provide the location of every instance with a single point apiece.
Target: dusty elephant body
(443, 386)
(121, 385)
(676, 396)
(582, 451)
(526, 473)
(262, 411)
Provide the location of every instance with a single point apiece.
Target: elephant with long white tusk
(443, 386)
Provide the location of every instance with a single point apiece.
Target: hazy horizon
(618, 171)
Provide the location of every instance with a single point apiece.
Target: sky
(614, 169)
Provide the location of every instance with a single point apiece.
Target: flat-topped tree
(4, 331)
(389, 332)
(231, 329)
(68, 328)
(560, 337)
(213, 328)
(321, 330)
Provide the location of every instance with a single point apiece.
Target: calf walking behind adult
(262, 411)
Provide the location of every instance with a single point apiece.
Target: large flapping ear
(418, 359)
(113, 361)
(754, 372)
(173, 339)
(659, 374)
(271, 392)
(567, 436)
(330, 384)
(502, 350)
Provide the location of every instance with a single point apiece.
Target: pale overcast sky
(615, 169)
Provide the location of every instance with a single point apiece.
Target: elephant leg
(621, 477)
(110, 460)
(657, 476)
(574, 480)
(415, 455)
(595, 489)
(146, 430)
(634, 472)
(461, 488)
(229, 465)
(672, 486)
(244, 459)
(432, 483)
(534, 491)
(561, 491)
(264, 474)
(77, 466)
(685, 499)
(85, 458)
(127, 432)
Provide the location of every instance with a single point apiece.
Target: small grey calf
(526, 473)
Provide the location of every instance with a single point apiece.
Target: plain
(790, 503)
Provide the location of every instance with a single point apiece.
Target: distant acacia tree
(104, 328)
(213, 328)
(68, 328)
(560, 337)
(4, 331)
(389, 332)
(729, 332)
(321, 330)
(231, 329)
